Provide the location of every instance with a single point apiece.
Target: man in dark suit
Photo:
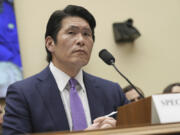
(63, 96)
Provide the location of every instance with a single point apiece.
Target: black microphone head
(106, 57)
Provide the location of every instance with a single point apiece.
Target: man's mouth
(80, 51)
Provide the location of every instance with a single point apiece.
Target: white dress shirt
(62, 80)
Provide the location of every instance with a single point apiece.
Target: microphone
(110, 60)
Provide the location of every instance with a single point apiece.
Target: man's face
(74, 43)
(132, 95)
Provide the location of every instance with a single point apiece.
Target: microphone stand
(112, 63)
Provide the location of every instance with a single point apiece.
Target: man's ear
(49, 43)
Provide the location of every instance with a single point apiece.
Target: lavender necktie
(77, 111)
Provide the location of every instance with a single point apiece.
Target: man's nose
(80, 40)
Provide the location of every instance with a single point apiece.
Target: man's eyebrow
(88, 29)
(73, 27)
(76, 27)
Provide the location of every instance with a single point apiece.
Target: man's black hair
(169, 88)
(129, 88)
(54, 23)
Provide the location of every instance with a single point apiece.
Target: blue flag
(10, 60)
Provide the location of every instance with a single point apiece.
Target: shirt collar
(62, 78)
(79, 78)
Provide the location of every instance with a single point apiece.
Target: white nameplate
(166, 108)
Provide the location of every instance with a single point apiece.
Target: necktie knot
(73, 82)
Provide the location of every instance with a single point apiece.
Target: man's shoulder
(111, 90)
(33, 79)
(98, 79)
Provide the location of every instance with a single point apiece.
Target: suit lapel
(94, 97)
(50, 94)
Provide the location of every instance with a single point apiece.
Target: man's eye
(87, 34)
(132, 100)
(71, 32)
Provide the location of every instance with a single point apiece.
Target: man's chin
(80, 63)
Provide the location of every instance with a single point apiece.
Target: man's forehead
(75, 22)
(176, 89)
(132, 93)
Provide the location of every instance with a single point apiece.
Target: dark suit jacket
(35, 104)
